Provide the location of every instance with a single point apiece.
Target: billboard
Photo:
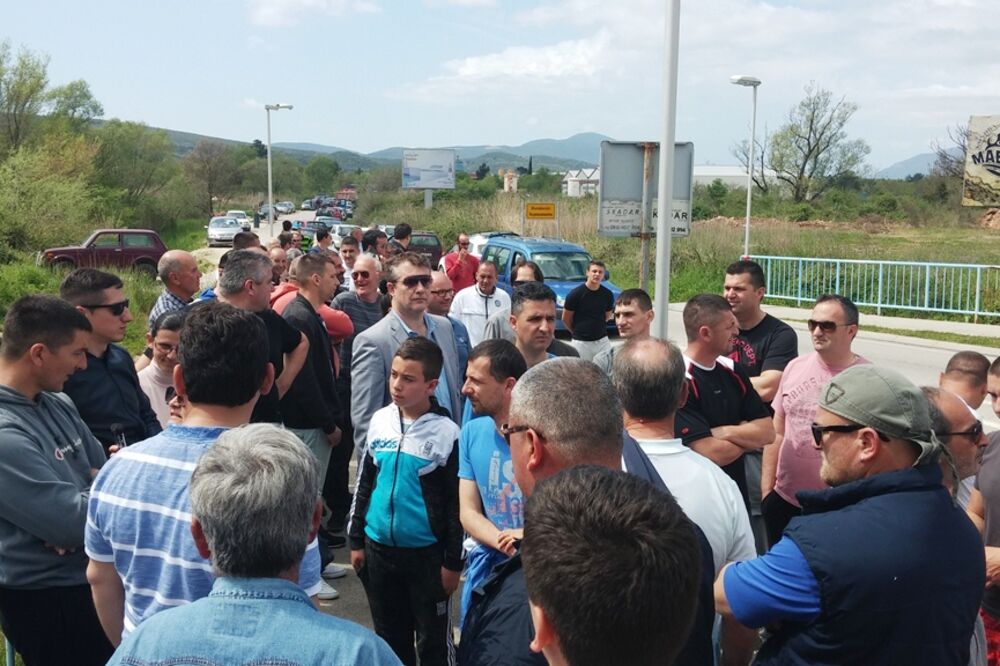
(428, 169)
(982, 162)
(620, 192)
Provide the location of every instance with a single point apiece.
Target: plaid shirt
(167, 302)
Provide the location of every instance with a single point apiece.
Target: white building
(731, 176)
(581, 182)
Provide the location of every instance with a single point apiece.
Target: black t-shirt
(282, 338)
(769, 345)
(717, 397)
(590, 308)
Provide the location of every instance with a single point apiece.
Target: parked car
(476, 244)
(136, 249)
(264, 209)
(284, 207)
(563, 264)
(306, 205)
(426, 243)
(387, 229)
(221, 230)
(341, 231)
(241, 217)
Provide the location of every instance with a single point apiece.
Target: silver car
(221, 230)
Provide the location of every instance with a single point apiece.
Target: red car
(136, 249)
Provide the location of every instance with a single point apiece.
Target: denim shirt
(260, 621)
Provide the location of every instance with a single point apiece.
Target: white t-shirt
(473, 308)
(708, 497)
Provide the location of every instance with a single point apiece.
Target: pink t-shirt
(796, 400)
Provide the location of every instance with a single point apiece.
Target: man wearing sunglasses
(792, 462)
(408, 280)
(883, 567)
(107, 393)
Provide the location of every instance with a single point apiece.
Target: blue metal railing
(967, 289)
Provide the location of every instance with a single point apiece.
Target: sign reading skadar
(982, 162)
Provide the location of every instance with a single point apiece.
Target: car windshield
(236, 213)
(223, 222)
(569, 266)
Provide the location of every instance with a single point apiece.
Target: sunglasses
(463, 245)
(507, 430)
(825, 326)
(116, 308)
(412, 281)
(362, 275)
(818, 430)
(443, 293)
(975, 433)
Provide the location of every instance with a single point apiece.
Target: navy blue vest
(900, 569)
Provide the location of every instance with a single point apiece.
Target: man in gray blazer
(408, 279)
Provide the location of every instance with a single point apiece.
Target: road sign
(625, 169)
(540, 211)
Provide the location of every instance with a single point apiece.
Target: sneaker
(334, 571)
(326, 592)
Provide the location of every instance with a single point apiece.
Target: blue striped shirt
(139, 519)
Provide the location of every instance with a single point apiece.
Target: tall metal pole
(644, 215)
(750, 163)
(665, 184)
(270, 187)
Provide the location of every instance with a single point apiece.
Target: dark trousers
(406, 598)
(336, 488)
(777, 512)
(54, 626)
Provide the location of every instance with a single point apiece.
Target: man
(47, 460)
(792, 462)
(349, 250)
(486, 486)
(442, 295)
(474, 305)
(322, 241)
(245, 285)
(142, 558)
(648, 375)
(295, 250)
(285, 238)
(374, 243)
(966, 376)
(533, 320)
(400, 241)
(279, 515)
(245, 240)
(547, 434)
(586, 312)
(883, 567)
(107, 393)
(764, 347)
(723, 417)
(408, 281)
(178, 271)
(633, 317)
(637, 612)
(958, 428)
(461, 266)
(279, 260)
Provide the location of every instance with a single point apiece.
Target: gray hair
(371, 258)
(243, 265)
(254, 493)
(649, 377)
(550, 398)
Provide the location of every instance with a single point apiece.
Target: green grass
(187, 234)
(3, 653)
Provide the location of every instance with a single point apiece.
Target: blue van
(563, 264)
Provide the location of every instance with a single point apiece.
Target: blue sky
(368, 74)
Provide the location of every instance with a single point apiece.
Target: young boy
(405, 534)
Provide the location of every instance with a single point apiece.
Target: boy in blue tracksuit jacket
(405, 534)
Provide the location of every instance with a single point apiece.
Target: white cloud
(288, 12)
(460, 3)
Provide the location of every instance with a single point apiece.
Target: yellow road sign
(540, 211)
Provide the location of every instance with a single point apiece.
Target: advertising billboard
(428, 169)
(982, 162)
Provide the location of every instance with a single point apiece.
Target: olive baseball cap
(885, 400)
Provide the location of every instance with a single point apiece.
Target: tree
(812, 148)
(950, 160)
(530, 169)
(320, 173)
(741, 151)
(134, 158)
(75, 102)
(211, 167)
(259, 147)
(22, 93)
(482, 171)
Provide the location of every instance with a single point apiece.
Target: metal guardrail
(967, 289)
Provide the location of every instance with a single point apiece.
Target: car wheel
(145, 268)
(63, 265)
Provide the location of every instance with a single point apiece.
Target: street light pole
(270, 187)
(752, 82)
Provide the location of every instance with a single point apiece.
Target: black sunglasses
(116, 308)
(818, 430)
(414, 280)
(975, 433)
(825, 326)
(507, 430)
(364, 275)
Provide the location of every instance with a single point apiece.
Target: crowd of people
(640, 503)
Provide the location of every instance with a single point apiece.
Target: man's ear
(685, 393)
(200, 542)
(545, 639)
(268, 382)
(536, 452)
(869, 445)
(317, 520)
(179, 380)
(35, 354)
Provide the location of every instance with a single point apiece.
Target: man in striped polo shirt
(138, 537)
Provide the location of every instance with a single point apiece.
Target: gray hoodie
(46, 454)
